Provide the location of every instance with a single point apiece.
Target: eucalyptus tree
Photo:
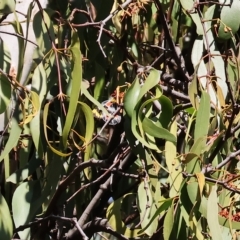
(119, 119)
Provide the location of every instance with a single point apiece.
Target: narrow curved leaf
(5, 92)
(6, 225)
(14, 135)
(168, 223)
(39, 88)
(45, 114)
(76, 86)
(159, 132)
(212, 215)
(147, 208)
(203, 115)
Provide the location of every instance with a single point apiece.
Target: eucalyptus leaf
(146, 208)
(6, 225)
(212, 215)
(7, 6)
(25, 204)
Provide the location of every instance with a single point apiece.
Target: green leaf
(147, 208)
(19, 58)
(166, 111)
(7, 6)
(39, 87)
(212, 215)
(25, 204)
(23, 173)
(175, 176)
(76, 86)
(5, 85)
(91, 98)
(14, 135)
(88, 132)
(164, 205)
(202, 119)
(6, 225)
(100, 82)
(189, 5)
(56, 151)
(200, 73)
(229, 24)
(153, 130)
(168, 223)
(53, 173)
(193, 92)
(43, 36)
(131, 97)
(151, 81)
(216, 58)
(113, 215)
(116, 19)
(5, 92)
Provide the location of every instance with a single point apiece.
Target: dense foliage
(119, 119)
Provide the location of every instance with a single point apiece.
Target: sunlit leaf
(25, 204)
(175, 176)
(188, 5)
(229, 24)
(7, 6)
(14, 135)
(201, 181)
(146, 208)
(202, 118)
(113, 215)
(44, 35)
(131, 97)
(168, 223)
(212, 215)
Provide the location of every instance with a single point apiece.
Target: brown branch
(100, 24)
(104, 188)
(101, 225)
(19, 36)
(179, 60)
(65, 219)
(67, 181)
(216, 181)
(93, 182)
(175, 93)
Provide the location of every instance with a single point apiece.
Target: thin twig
(93, 182)
(67, 181)
(103, 22)
(57, 58)
(180, 64)
(19, 36)
(40, 220)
